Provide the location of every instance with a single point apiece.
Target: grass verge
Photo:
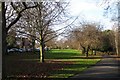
(58, 64)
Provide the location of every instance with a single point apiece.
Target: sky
(90, 10)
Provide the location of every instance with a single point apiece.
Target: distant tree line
(91, 37)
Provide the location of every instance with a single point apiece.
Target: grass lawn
(58, 64)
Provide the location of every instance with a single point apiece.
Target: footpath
(106, 69)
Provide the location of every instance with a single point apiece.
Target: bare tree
(87, 36)
(46, 18)
(11, 13)
(9, 18)
(40, 21)
(115, 30)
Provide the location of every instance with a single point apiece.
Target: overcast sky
(89, 10)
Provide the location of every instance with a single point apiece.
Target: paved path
(107, 68)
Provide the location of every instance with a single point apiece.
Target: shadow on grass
(28, 69)
(75, 57)
(71, 69)
(16, 65)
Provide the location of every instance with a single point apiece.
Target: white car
(14, 50)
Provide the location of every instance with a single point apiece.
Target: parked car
(30, 49)
(22, 49)
(14, 50)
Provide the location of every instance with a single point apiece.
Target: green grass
(78, 66)
(58, 63)
(79, 63)
(65, 51)
(62, 54)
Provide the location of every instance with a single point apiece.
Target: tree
(46, 18)
(115, 32)
(39, 22)
(11, 39)
(9, 18)
(14, 12)
(71, 43)
(107, 41)
(11, 13)
(87, 36)
(113, 8)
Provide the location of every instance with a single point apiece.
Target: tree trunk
(119, 40)
(83, 50)
(87, 51)
(116, 42)
(42, 51)
(23, 43)
(4, 45)
(119, 29)
(95, 52)
(33, 45)
(41, 57)
(0, 45)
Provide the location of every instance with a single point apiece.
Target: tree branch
(19, 15)
(63, 27)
